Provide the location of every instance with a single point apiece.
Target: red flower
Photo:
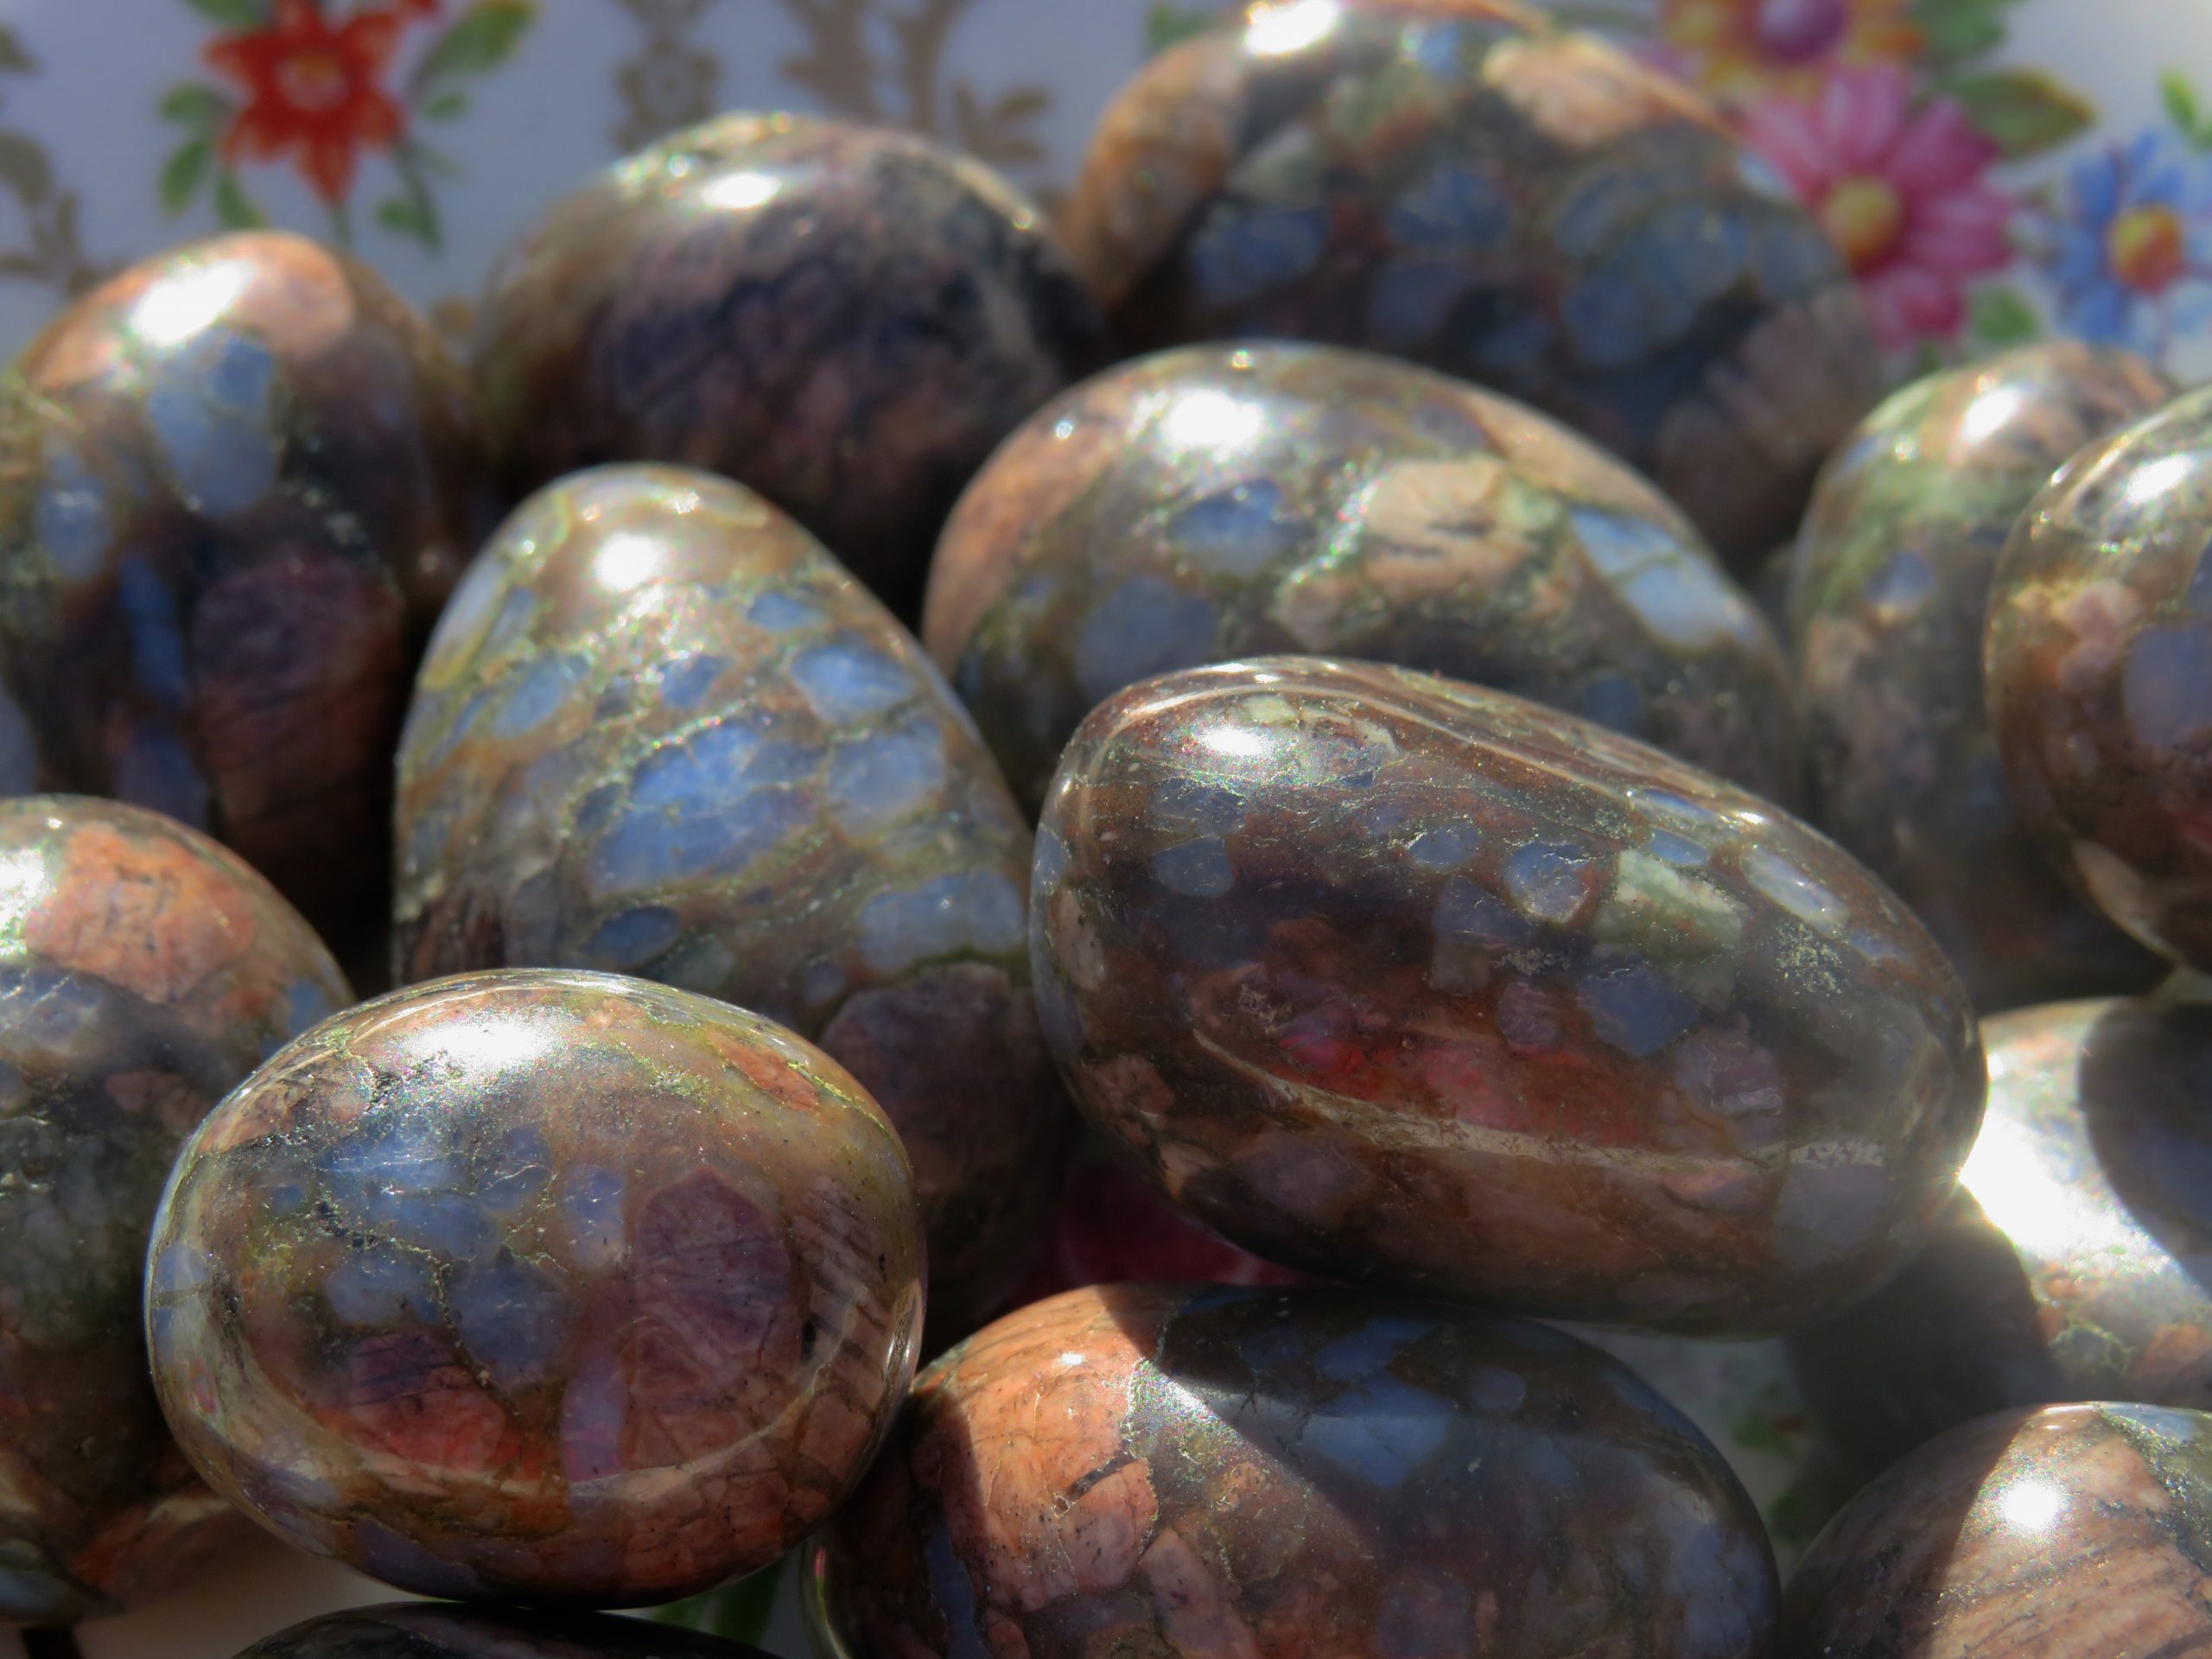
(314, 89)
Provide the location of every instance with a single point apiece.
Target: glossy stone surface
(444, 1630)
(1458, 182)
(2099, 674)
(1218, 501)
(1196, 1471)
(1391, 978)
(546, 1285)
(661, 732)
(844, 318)
(2076, 1262)
(143, 971)
(1888, 593)
(237, 482)
(2076, 1532)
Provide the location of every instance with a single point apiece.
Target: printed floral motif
(1899, 188)
(2129, 249)
(311, 84)
(1766, 45)
(841, 68)
(46, 250)
(671, 82)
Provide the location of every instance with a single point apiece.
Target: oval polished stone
(2099, 673)
(547, 1285)
(2076, 1532)
(844, 318)
(1188, 1471)
(1458, 182)
(237, 483)
(2076, 1260)
(661, 732)
(415, 1629)
(1888, 592)
(143, 971)
(1390, 978)
(1219, 501)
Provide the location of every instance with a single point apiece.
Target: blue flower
(2131, 260)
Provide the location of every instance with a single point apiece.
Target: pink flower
(1898, 189)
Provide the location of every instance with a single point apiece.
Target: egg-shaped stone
(1888, 593)
(237, 482)
(844, 318)
(552, 1286)
(1219, 501)
(1462, 183)
(2098, 665)
(1393, 979)
(2075, 1532)
(2076, 1260)
(661, 732)
(143, 971)
(1188, 1471)
(421, 1629)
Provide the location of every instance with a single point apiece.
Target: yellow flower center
(1864, 217)
(2147, 248)
(314, 80)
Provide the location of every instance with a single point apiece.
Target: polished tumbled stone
(661, 732)
(2099, 666)
(845, 318)
(2076, 1532)
(143, 971)
(1390, 978)
(1217, 501)
(237, 482)
(1888, 592)
(554, 1286)
(2075, 1260)
(417, 1630)
(1460, 182)
(1188, 1471)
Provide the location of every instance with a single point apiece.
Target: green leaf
(2180, 100)
(1998, 316)
(233, 206)
(2023, 111)
(194, 104)
(12, 55)
(24, 167)
(1953, 31)
(181, 178)
(232, 13)
(738, 1612)
(1166, 25)
(482, 39)
(446, 105)
(410, 216)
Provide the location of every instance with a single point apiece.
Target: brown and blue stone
(2075, 1532)
(143, 971)
(415, 1629)
(661, 732)
(546, 1286)
(1460, 182)
(237, 483)
(1220, 501)
(1195, 1470)
(844, 318)
(2099, 674)
(1888, 594)
(2076, 1262)
(1393, 979)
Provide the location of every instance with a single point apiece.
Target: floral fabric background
(1993, 169)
